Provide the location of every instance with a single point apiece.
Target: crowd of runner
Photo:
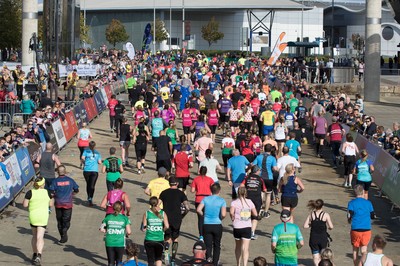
(184, 107)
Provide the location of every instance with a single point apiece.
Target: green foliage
(11, 23)
(161, 32)
(210, 32)
(358, 43)
(116, 33)
(84, 30)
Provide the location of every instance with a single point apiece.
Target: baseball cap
(162, 171)
(285, 215)
(172, 181)
(199, 245)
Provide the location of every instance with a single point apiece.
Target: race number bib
(245, 214)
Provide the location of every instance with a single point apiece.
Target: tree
(161, 33)
(116, 33)
(210, 32)
(11, 23)
(84, 30)
(358, 43)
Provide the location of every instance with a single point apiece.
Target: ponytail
(117, 207)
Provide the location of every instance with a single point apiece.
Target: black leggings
(114, 255)
(63, 220)
(200, 221)
(81, 149)
(91, 179)
(212, 239)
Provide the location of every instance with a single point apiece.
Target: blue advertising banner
(25, 164)
(100, 104)
(80, 114)
(10, 183)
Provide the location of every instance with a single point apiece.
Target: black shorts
(349, 163)
(172, 232)
(234, 123)
(290, 202)
(320, 136)
(280, 140)
(302, 123)
(213, 129)
(366, 185)
(242, 233)
(154, 250)
(318, 243)
(166, 163)
(193, 129)
(223, 118)
(36, 226)
(257, 204)
(249, 157)
(269, 184)
(140, 152)
(182, 182)
(186, 130)
(225, 158)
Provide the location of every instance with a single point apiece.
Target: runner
(236, 171)
(227, 146)
(359, 214)
(119, 115)
(62, 189)
(176, 206)
(255, 187)
(286, 240)
(201, 185)
(212, 119)
(48, 161)
(213, 208)
(268, 119)
(267, 165)
(320, 127)
(159, 184)
(212, 165)
(241, 211)
(140, 139)
(364, 170)
(199, 254)
(132, 253)
(38, 200)
(234, 116)
(91, 159)
(113, 167)
(202, 144)
(350, 150)
(83, 137)
(115, 227)
(114, 195)
(280, 134)
(319, 221)
(294, 146)
(186, 116)
(377, 258)
(290, 185)
(163, 149)
(182, 162)
(154, 223)
(224, 105)
(335, 133)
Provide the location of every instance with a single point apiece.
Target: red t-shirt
(111, 105)
(245, 147)
(256, 144)
(182, 160)
(202, 185)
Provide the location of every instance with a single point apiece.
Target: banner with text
(83, 70)
(59, 133)
(69, 126)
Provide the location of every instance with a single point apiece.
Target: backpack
(113, 166)
(113, 196)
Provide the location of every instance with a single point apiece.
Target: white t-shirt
(211, 165)
(285, 160)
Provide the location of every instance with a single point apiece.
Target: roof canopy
(303, 44)
(222, 5)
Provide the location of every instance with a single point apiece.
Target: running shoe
(254, 236)
(34, 256)
(143, 171)
(64, 238)
(139, 172)
(334, 166)
(266, 215)
(38, 260)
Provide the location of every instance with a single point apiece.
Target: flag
(131, 50)
(278, 49)
(147, 37)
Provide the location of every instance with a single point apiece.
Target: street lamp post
(183, 21)
(154, 26)
(170, 23)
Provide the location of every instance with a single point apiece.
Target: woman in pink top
(138, 114)
(195, 117)
(320, 127)
(234, 115)
(186, 116)
(241, 211)
(202, 144)
(212, 118)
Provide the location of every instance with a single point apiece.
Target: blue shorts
(267, 129)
